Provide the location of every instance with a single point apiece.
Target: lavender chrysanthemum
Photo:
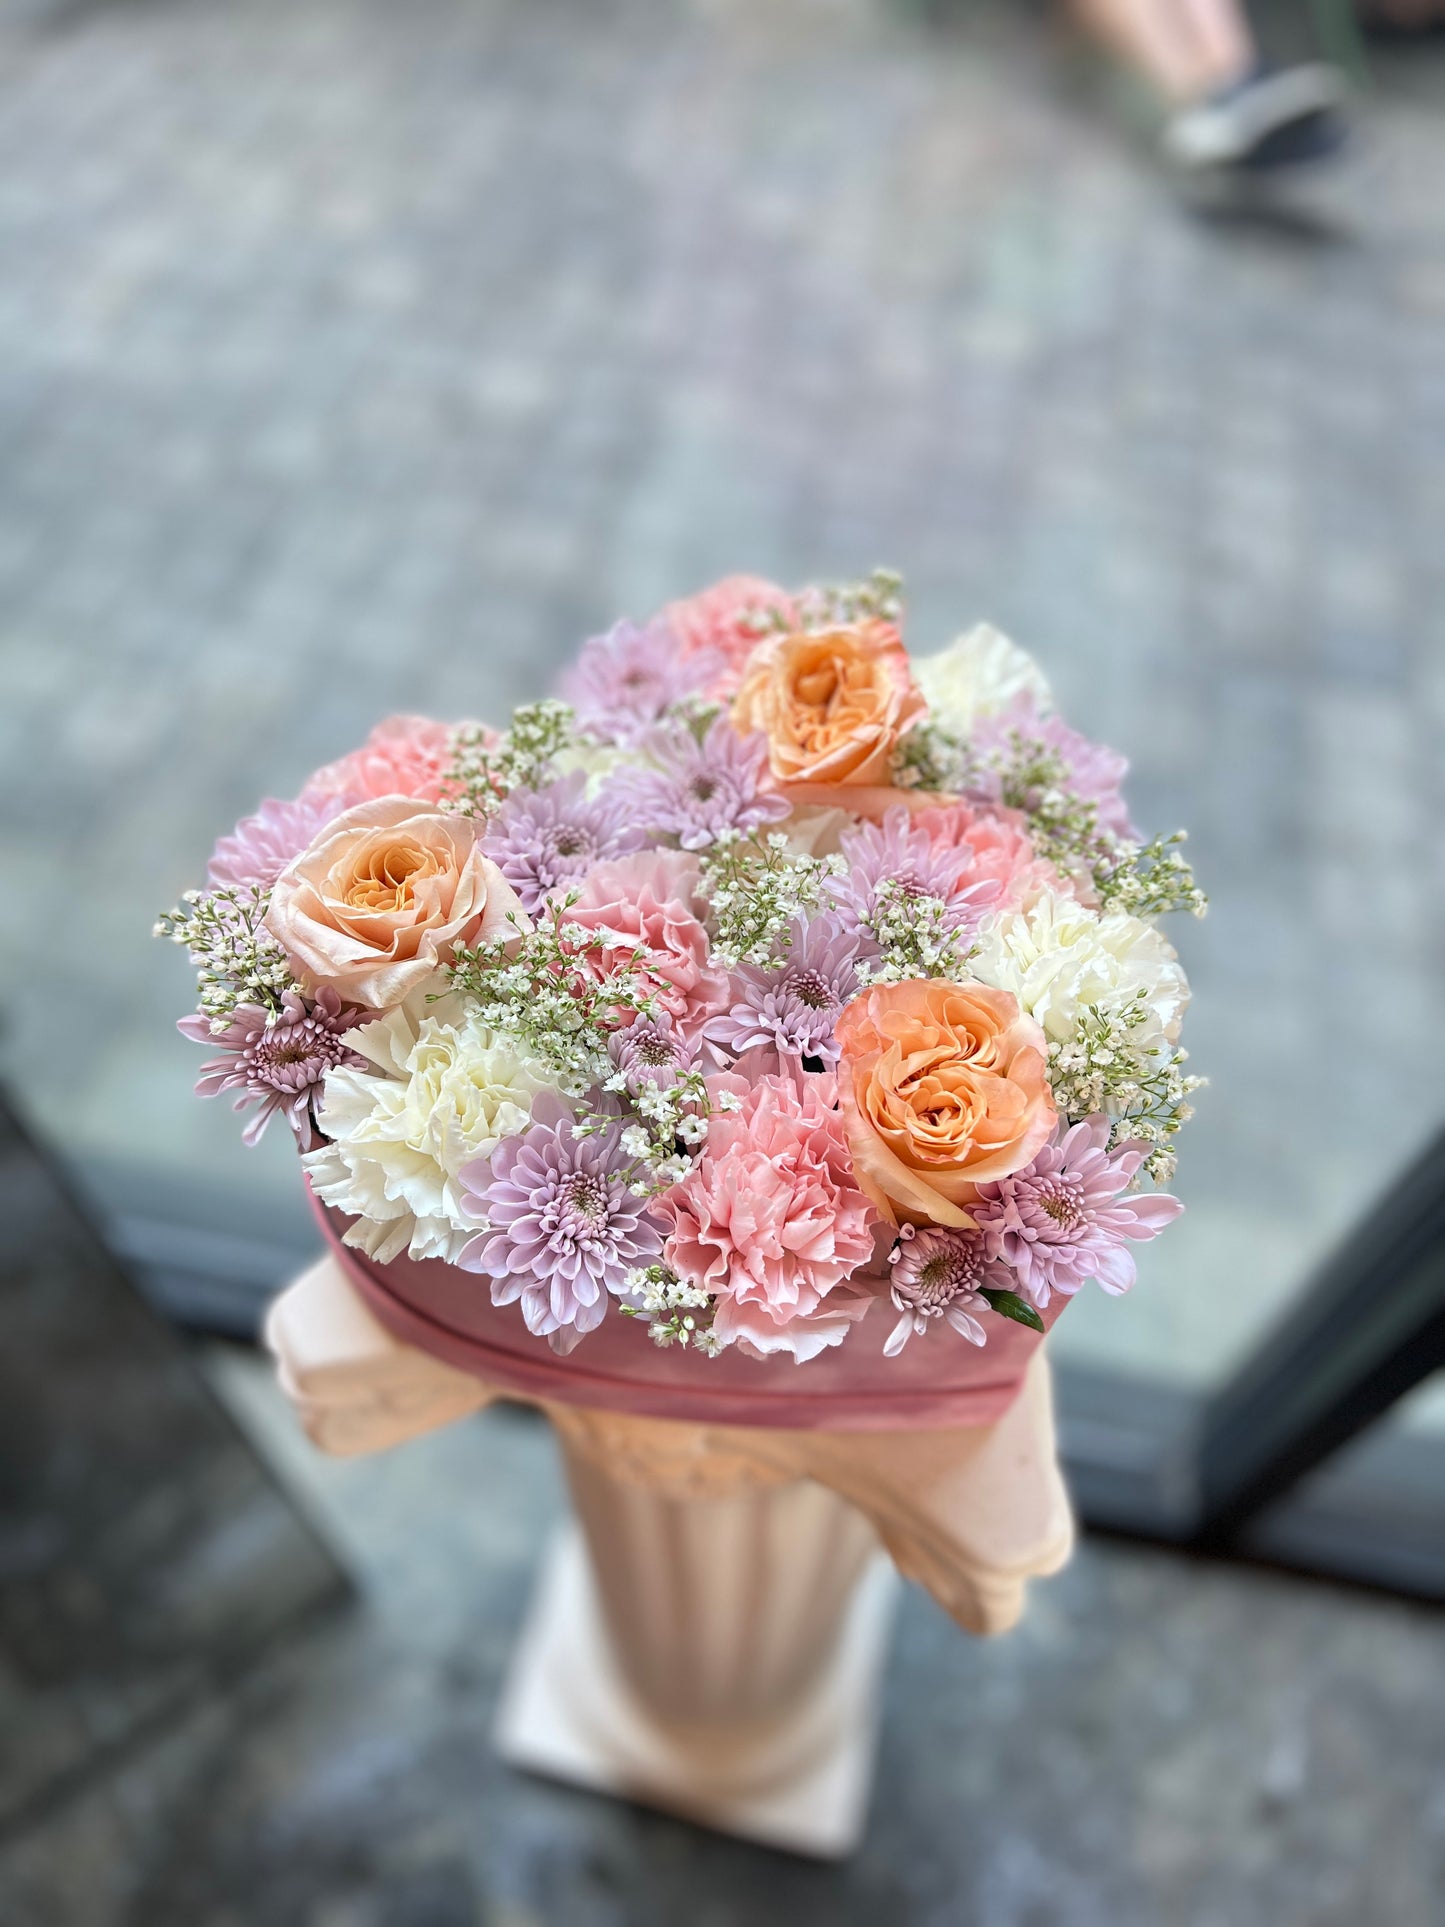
(261, 846)
(938, 1273)
(542, 840)
(650, 1050)
(564, 1227)
(791, 1010)
(624, 682)
(277, 1059)
(1064, 1220)
(698, 789)
(897, 852)
(1092, 771)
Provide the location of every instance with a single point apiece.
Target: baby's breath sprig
(932, 758)
(915, 936)
(668, 1128)
(1145, 879)
(482, 775)
(694, 713)
(879, 597)
(531, 986)
(237, 960)
(1106, 1067)
(677, 1313)
(757, 890)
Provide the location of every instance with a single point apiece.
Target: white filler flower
(978, 675)
(1063, 961)
(442, 1089)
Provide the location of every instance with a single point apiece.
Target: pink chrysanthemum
(1091, 770)
(260, 846)
(624, 682)
(770, 1218)
(1065, 1219)
(545, 840)
(696, 789)
(564, 1227)
(790, 1012)
(897, 851)
(939, 1273)
(403, 756)
(278, 1059)
(651, 1050)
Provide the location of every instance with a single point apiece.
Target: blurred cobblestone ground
(356, 356)
(1160, 1744)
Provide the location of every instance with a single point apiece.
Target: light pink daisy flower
(1066, 1219)
(937, 1275)
(627, 680)
(278, 1060)
(897, 851)
(261, 846)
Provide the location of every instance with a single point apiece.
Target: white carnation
(442, 1089)
(1059, 958)
(978, 675)
(598, 760)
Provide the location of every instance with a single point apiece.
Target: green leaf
(1008, 1304)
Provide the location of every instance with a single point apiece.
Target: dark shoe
(1267, 120)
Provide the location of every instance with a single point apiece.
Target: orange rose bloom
(943, 1086)
(383, 897)
(832, 704)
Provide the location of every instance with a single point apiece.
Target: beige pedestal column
(709, 1636)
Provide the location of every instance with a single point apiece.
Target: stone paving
(356, 356)
(1161, 1744)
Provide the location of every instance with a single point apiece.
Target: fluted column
(709, 1636)
(724, 1606)
(709, 1640)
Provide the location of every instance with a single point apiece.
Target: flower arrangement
(763, 981)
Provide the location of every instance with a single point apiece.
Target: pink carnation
(716, 619)
(404, 756)
(649, 902)
(1002, 850)
(770, 1218)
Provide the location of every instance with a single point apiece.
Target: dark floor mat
(145, 1552)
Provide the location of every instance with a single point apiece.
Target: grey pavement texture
(357, 356)
(1161, 1744)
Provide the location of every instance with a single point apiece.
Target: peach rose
(832, 704)
(383, 896)
(943, 1085)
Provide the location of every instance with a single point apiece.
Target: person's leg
(1223, 34)
(1230, 113)
(1187, 48)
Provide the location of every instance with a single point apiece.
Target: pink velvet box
(939, 1381)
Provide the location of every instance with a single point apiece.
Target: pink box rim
(938, 1382)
